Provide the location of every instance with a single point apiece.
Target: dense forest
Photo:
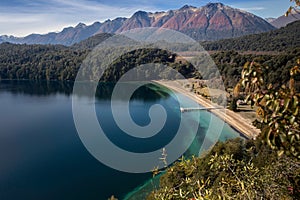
(277, 40)
(276, 67)
(39, 62)
(56, 62)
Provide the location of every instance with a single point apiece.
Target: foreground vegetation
(235, 169)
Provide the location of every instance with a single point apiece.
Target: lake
(42, 156)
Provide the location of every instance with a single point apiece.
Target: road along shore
(233, 119)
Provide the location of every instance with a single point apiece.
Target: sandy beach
(244, 126)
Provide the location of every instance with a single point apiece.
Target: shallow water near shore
(42, 156)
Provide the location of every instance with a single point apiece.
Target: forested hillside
(277, 40)
(39, 62)
(57, 62)
(276, 67)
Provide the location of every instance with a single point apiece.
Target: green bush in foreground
(278, 108)
(236, 169)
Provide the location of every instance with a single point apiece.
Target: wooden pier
(198, 109)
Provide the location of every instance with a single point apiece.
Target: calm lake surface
(42, 157)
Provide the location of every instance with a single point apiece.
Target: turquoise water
(42, 156)
(209, 125)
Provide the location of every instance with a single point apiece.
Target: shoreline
(233, 119)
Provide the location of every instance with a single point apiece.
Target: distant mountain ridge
(211, 22)
(270, 19)
(284, 20)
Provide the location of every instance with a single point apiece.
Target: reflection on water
(34, 88)
(150, 92)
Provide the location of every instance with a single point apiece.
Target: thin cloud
(82, 5)
(18, 18)
(263, 8)
(253, 8)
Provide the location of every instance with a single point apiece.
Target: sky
(23, 17)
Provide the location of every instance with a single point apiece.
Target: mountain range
(213, 21)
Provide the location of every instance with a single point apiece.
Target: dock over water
(199, 109)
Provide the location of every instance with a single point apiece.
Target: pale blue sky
(22, 17)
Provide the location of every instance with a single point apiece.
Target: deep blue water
(42, 157)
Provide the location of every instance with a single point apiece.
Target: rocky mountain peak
(140, 13)
(80, 25)
(215, 5)
(186, 7)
